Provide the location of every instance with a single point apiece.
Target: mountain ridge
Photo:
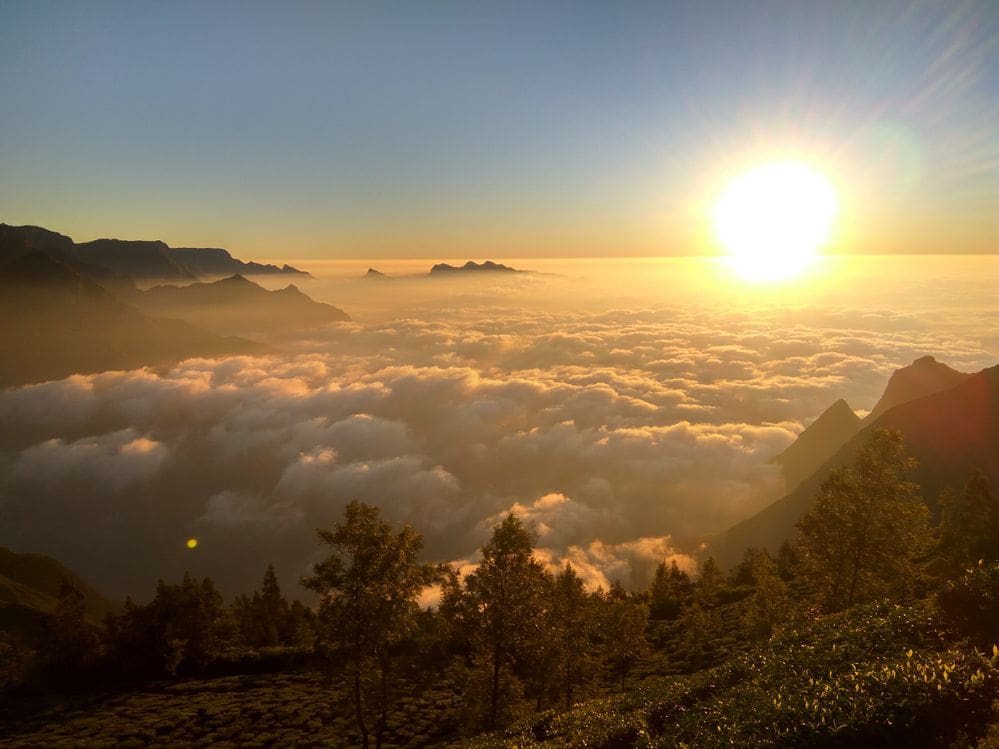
(924, 376)
(487, 266)
(949, 432)
(237, 305)
(817, 443)
(140, 260)
(55, 323)
(37, 578)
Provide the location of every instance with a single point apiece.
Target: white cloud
(615, 431)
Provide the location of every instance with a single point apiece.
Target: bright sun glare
(774, 218)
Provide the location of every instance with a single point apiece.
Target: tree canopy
(867, 527)
(369, 587)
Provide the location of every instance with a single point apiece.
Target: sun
(773, 219)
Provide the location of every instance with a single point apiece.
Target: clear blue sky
(300, 129)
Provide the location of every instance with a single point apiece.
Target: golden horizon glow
(773, 219)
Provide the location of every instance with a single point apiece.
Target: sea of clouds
(622, 427)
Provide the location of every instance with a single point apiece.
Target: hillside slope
(29, 590)
(923, 377)
(115, 260)
(817, 443)
(950, 433)
(237, 305)
(54, 323)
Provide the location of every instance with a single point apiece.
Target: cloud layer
(615, 431)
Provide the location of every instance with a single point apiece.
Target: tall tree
(710, 583)
(273, 609)
(73, 642)
(369, 587)
(867, 527)
(969, 527)
(181, 630)
(506, 600)
(623, 621)
(671, 587)
(572, 611)
(767, 607)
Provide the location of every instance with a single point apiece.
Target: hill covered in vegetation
(877, 627)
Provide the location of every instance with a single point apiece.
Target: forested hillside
(877, 627)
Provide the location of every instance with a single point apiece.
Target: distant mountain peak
(117, 260)
(924, 376)
(471, 267)
(949, 432)
(817, 443)
(372, 273)
(237, 305)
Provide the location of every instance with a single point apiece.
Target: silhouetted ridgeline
(29, 589)
(54, 323)
(141, 260)
(950, 432)
(237, 305)
(444, 269)
(817, 443)
(62, 315)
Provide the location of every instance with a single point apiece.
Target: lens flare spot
(192, 543)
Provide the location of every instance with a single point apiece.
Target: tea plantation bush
(877, 675)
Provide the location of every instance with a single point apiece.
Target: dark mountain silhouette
(110, 261)
(214, 261)
(237, 305)
(375, 274)
(472, 267)
(29, 591)
(838, 423)
(54, 323)
(817, 443)
(923, 377)
(17, 241)
(950, 433)
(139, 259)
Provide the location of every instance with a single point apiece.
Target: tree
(767, 606)
(72, 644)
(182, 630)
(193, 619)
(623, 622)
(273, 609)
(671, 587)
(700, 641)
(969, 527)
(265, 620)
(867, 528)
(369, 586)
(505, 605)
(710, 583)
(572, 616)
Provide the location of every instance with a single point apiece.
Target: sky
(465, 129)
